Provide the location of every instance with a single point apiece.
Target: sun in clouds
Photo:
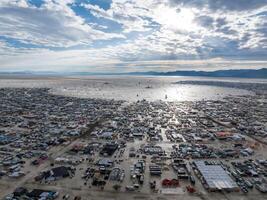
(176, 19)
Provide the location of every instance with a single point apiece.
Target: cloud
(99, 61)
(51, 25)
(237, 5)
(132, 20)
(231, 5)
(205, 21)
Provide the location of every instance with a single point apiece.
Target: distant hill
(237, 73)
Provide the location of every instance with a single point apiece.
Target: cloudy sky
(132, 35)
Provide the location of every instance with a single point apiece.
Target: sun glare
(182, 19)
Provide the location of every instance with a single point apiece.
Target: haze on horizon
(132, 35)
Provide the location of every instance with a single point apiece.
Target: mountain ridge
(235, 73)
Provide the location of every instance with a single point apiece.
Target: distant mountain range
(238, 73)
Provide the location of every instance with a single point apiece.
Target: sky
(132, 35)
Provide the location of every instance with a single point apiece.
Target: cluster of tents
(170, 183)
(175, 183)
